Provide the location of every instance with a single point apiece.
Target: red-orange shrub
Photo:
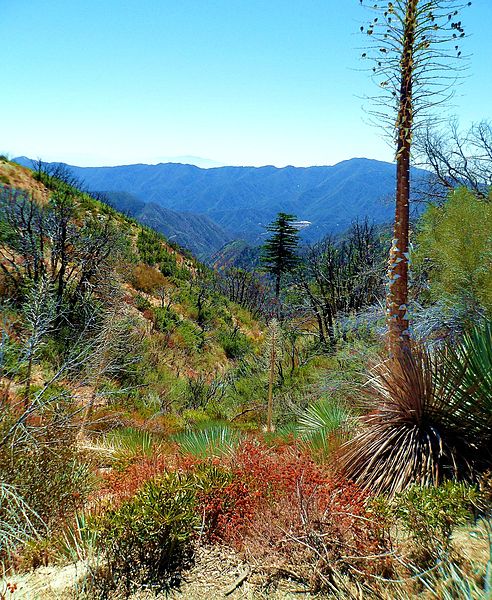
(121, 484)
(276, 505)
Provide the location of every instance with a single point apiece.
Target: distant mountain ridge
(242, 200)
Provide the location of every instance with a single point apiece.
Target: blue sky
(244, 82)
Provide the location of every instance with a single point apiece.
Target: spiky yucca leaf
(467, 376)
(324, 424)
(419, 428)
(214, 441)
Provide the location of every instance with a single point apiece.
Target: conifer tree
(279, 251)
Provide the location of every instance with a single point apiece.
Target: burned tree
(455, 158)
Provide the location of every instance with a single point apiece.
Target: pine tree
(279, 251)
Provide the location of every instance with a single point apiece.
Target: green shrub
(195, 417)
(428, 515)
(187, 336)
(165, 319)
(234, 343)
(168, 266)
(454, 248)
(141, 303)
(151, 247)
(147, 540)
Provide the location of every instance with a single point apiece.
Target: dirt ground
(218, 573)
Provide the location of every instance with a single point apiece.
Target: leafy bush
(453, 247)
(273, 503)
(123, 482)
(234, 343)
(300, 514)
(430, 514)
(147, 540)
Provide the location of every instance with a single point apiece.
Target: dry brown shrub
(147, 279)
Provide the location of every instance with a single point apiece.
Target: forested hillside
(243, 200)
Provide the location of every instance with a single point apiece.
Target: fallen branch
(239, 581)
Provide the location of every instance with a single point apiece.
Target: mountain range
(209, 207)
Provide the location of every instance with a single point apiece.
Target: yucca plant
(324, 425)
(429, 418)
(213, 441)
(78, 541)
(467, 376)
(128, 442)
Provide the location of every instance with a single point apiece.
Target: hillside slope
(181, 321)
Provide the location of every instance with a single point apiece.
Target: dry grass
(22, 178)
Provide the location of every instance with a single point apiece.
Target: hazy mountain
(244, 199)
(198, 161)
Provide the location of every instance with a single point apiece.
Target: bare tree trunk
(397, 296)
(270, 383)
(27, 388)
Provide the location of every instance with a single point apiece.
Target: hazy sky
(244, 82)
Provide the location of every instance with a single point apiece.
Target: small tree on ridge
(279, 255)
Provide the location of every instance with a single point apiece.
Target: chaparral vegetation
(315, 423)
